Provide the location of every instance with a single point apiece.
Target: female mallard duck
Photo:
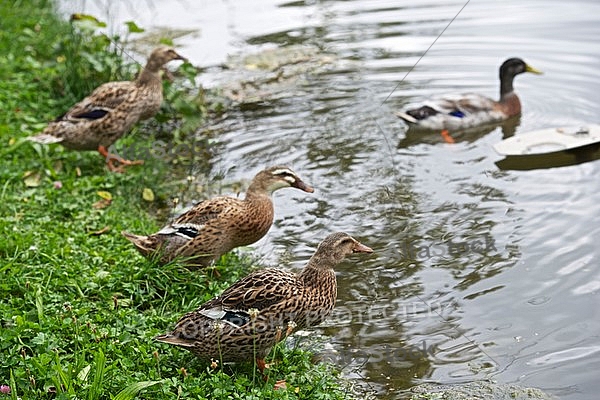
(110, 111)
(469, 110)
(214, 227)
(256, 312)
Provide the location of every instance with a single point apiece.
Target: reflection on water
(522, 310)
(413, 137)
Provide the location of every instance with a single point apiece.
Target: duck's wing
(458, 106)
(100, 102)
(258, 291)
(192, 222)
(241, 303)
(463, 105)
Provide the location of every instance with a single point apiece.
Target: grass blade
(132, 390)
(99, 368)
(13, 386)
(39, 305)
(62, 379)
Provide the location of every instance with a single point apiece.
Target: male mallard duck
(469, 110)
(256, 312)
(214, 227)
(110, 111)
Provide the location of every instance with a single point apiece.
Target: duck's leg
(446, 135)
(112, 158)
(262, 365)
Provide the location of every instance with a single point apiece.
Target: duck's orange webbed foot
(446, 135)
(121, 163)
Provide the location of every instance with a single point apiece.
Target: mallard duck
(468, 110)
(214, 227)
(110, 111)
(258, 311)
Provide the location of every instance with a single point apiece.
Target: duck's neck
(506, 86)
(257, 193)
(319, 294)
(318, 271)
(150, 75)
(259, 202)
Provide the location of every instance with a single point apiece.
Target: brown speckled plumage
(112, 109)
(214, 227)
(256, 312)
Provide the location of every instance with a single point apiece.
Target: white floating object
(549, 140)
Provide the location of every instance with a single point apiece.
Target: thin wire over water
(385, 137)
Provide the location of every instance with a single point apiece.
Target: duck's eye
(346, 241)
(289, 178)
(285, 174)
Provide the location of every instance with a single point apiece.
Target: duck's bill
(529, 68)
(361, 248)
(303, 186)
(182, 58)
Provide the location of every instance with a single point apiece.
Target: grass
(79, 307)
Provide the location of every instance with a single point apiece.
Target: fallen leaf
(105, 195)
(83, 374)
(102, 203)
(148, 194)
(32, 178)
(101, 231)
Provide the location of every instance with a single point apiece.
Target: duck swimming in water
(459, 112)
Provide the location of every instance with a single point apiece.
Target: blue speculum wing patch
(458, 114)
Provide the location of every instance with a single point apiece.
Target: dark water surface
(479, 272)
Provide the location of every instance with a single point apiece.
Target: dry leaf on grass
(100, 232)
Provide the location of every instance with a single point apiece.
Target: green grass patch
(79, 307)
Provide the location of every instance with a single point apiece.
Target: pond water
(478, 272)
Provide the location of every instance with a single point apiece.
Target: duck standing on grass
(213, 227)
(256, 312)
(469, 110)
(112, 109)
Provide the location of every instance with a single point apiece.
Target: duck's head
(515, 66)
(162, 55)
(277, 177)
(335, 248)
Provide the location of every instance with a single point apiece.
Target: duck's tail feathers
(175, 340)
(45, 138)
(415, 115)
(145, 244)
(406, 117)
